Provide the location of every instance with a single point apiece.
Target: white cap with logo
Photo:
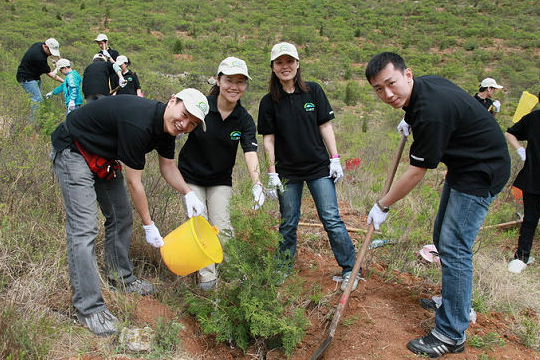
(233, 66)
(283, 48)
(101, 37)
(122, 59)
(53, 45)
(195, 103)
(99, 56)
(489, 82)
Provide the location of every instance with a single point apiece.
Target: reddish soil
(379, 320)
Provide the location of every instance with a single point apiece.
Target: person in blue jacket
(71, 87)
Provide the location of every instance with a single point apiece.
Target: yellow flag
(525, 105)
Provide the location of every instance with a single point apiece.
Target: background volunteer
(71, 87)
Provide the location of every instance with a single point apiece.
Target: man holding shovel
(86, 150)
(451, 127)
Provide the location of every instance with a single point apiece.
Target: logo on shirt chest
(235, 135)
(309, 107)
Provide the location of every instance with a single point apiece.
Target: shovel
(359, 260)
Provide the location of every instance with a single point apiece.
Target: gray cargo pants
(82, 192)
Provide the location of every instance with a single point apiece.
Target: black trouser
(531, 209)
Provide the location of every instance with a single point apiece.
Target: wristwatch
(384, 209)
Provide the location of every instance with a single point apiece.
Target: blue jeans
(324, 195)
(82, 192)
(457, 223)
(33, 87)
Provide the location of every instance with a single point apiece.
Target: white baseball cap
(489, 82)
(233, 66)
(101, 37)
(122, 59)
(62, 63)
(196, 104)
(53, 45)
(283, 48)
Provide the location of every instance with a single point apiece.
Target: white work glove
(377, 216)
(194, 206)
(336, 171)
(258, 195)
(48, 95)
(274, 185)
(153, 237)
(521, 153)
(106, 53)
(71, 105)
(497, 105)
(122, 82)
(404, 128)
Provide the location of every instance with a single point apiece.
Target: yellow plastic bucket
(191, 246)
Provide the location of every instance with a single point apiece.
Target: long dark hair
(274, 84)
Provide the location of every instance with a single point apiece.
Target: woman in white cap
(299, 142)
(71, 87)
(207, 159)
(133, 86)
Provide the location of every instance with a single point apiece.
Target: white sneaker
(530, 261)
(516, 266)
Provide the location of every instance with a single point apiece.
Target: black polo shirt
(451, 127)
(132, 84)
(528, 128)
(123, 127)
(96, 78)
(300, 153)
(487, 103)
(207, 158)
(33, 63)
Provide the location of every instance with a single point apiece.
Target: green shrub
(352, 93)
(249, 305)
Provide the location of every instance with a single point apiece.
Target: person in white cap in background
(103, 42)
(207, 159)
(133, 86)
(299, 142)
(97, 78)
(71, 87)
(485, 94)
(116, 128)
(110, 55)
(33, 65)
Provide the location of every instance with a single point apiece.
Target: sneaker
(207, 285)
(102, 323)
(516, 266)
(428, 304)
(431, 346)
(346, 277)
(139, 286)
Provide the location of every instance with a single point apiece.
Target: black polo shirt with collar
(528, 129)
(299, 150)
(207, 158)
(132, 84)
(451, 127)
(487, 103)
(122, 127)
(33, 64)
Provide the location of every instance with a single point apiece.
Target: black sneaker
(428, 304)
(431, 346)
